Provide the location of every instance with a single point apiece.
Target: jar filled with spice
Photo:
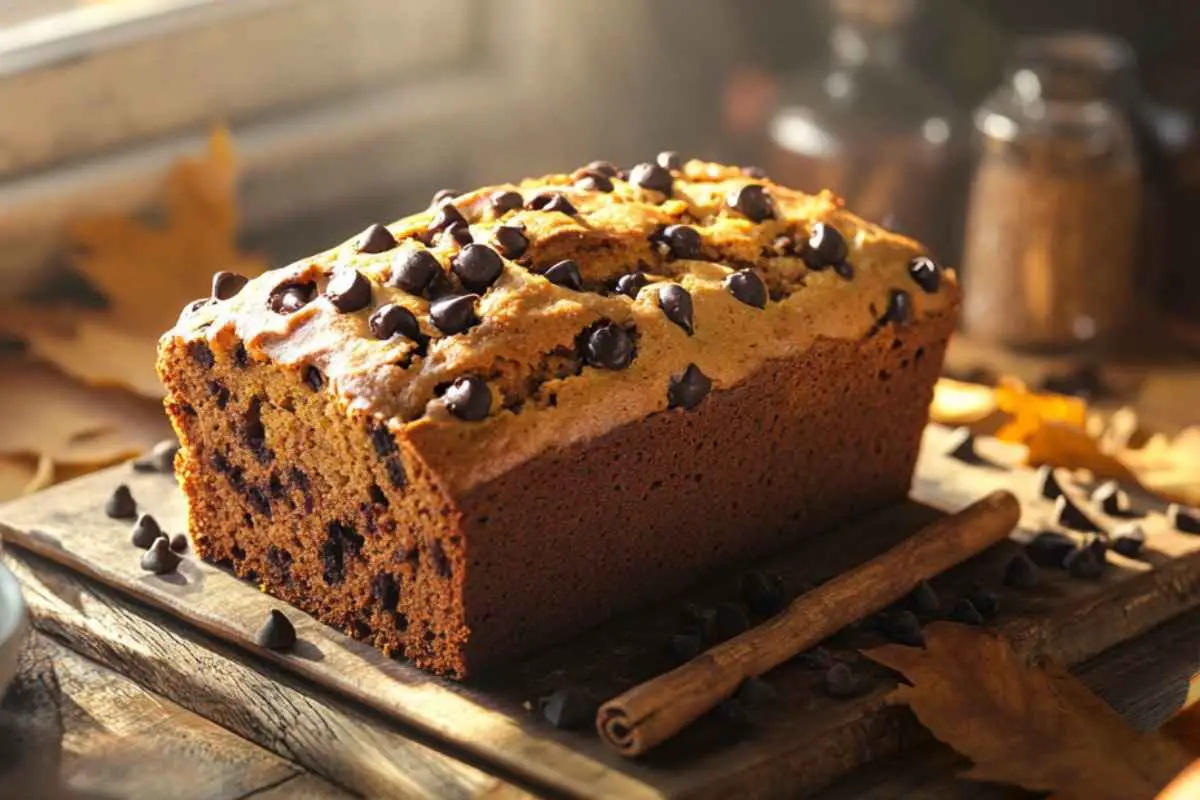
(1049, 258)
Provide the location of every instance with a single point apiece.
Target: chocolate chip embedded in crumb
(964, 611)
(505, 201)
(159, 558)
(559, 203)
(683, 647)
(540, 200)
(763, 593)
(291, 296)
(670, 160)
(145, 532)
(683, 240)
(468, 398)
(844, 269)
(179, 542)
(313, 378)
(390, 319)
(1048, 485)
(594, 182)
(676, 303)
(925, 273)
(460, 232)
(442, 195)
(568, 709)
(841, 682)
(348, 290)
(386, 591)
(1182, 519)
(412, 271)
(756, 692)
(605, 168)
(687, 389)
(1021, 572)
(825, 247)
(375, 239)
(202, 354)
(1128, 538)
(608, 346)
(477, 266)
(446, 216)
(511, 240)
(746, 285)
(632, 283)
(755, 172)
(277, 633)
(1069, 515)
(566, 274)
(753, 202)
(226, 285)
(652, 177)
(899, 308)
(454, 313)
(120, 504)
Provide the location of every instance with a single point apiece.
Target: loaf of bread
(529, 407)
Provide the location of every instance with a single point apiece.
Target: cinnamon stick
(653, 712)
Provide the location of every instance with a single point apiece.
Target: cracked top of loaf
(503, 321)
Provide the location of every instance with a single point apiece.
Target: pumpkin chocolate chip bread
(527, 407)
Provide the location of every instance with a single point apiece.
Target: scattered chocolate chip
(594, 182)
(685, 646)
(375, 239)
(964, 611)
(505, 201)
(924, 599)
(730, 620)
(901, 627)
(683, 240)
(1020, 572)
(1049, 549)
(145, 531)
(669, 160)
(1110, 498)
(477, 266)
(160, 458)
(755, 172)
(313, 378)
(454, 313)
(605, 168)
(159, 558)
(816, 658)
(1099, 546)
(511, 240)
(277, 633)
(202, 354)
(754, 692)
(390, 319)
(120, 504)
(568, 709)
(560, 204)
(446, 215)
(460, 232)
(825, 247)
(291, 296)
(652, 177)
(687, 389)
(227, 284)
(763, 593)
(676, 303)
(962, 447)
(841, 682)
(179, 542)
(468, 398)
(608, 346)
(348, 290)
(899, 309)
(1184, 520)
(985, 600)
(565, 274)
(925, 273)
(442, 195)
(748, 287)
(412, 271)
(1048, 485)
(844, 269)
(700, 620)
(1128, 538)
(632, 283)
(1069, 515)
(753, 202)
(1083, 563)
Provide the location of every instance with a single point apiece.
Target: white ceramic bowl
(14, 625)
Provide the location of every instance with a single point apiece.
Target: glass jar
(1054, 208)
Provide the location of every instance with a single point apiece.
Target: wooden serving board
(805, 740)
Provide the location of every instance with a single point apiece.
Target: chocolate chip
(924, 599)
(608, 346)
(748, 287)
(688, 389)
(505, 201)
(446, 216)
(763, 593)
(652, 177)
(145, 531)
(925, 273)
(291, 296)
(844, 269)
(901, 627)
(159, 558)
(454, 313)
(1069, 515)
(179, 542)
(390, 319)
(559, 203)
(594, 182)
(442, 195)
(348, 290)
(1110, 498)
(568, 709)
(1049, 549)
(816, 658)
(386, 591)
(632, 283)
(542, 199)
(120, 504)
(985, 600)
(477, 266)
(825, 247)
(227, 284)
(1020, 572)
(375, 239)
(899, 309)
(313, 378)
(1048, 485)
(676, 303)
(962, 447)
(1184, 520)
(277, 633)
(565, 274)
(753, 202)
(605, 168)
(730, 620)
(468, 398)
(160, 458)
(412, 271)
(755, 172)
(699, 620)
(683, 240)
(202, 354)
(683, 647)
(1084, 563)
(841, 682)
(755, 692)
(1128, 538)
(460, 232)
(964, 611)
(511, 240)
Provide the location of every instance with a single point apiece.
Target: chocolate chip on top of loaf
(501, 326)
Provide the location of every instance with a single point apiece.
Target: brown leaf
(1034, 727)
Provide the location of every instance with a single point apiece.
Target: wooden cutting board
(805, 740)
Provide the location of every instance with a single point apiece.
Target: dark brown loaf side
(460, 480)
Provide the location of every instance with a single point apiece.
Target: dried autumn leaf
(1034, 727)
(960, 403)
(1031, 410)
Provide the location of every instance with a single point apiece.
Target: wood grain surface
(802, 744)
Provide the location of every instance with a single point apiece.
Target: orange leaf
(1034, 727)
